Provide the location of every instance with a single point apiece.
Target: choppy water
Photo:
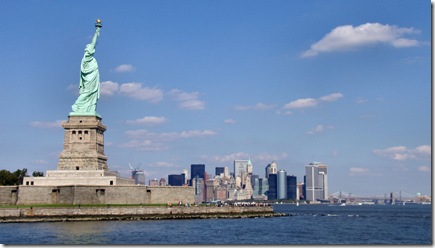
(307, 224)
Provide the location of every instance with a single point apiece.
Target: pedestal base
(83, 144)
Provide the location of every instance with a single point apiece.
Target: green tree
(38, 174)
(20, 174)
(7, 178)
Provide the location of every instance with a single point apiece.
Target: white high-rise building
(186, 177)
(316, 177)
(271, 169)
(239, 167)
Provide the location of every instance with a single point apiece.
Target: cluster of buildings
(241, 184)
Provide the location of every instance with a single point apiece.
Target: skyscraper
(273, 183)
(176, 180)
(239, 167)
(271, 169)
(282, 184)
(219, 170)
(292, 188)
(197, 170)
(316, 185)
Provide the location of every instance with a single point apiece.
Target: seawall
(44, 214)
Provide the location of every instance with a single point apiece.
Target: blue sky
(347, 83)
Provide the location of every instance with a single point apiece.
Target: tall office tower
(316, 185)
(176, 180)
(300, 191)
(282, 184)
(292, 189)
(186, 176)
(139, 178)
(162, 182)
(226, 174)
(239, 167)
(249, 167)
(153, 182)
(271, 169)
(196, 170)
(219, 170)
(273, 183)
(261, 186)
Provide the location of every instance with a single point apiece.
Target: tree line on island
(8, 178)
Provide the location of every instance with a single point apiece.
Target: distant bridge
(397, 195)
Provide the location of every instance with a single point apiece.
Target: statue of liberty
(89, 88)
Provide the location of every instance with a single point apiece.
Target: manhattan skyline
(347, 84)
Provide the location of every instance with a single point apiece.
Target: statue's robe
(86, 103)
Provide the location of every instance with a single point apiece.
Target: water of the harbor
(307, 224)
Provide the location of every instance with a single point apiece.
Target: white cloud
(228, 158)
(145, 140)
(144, 145)
(43, 124)
(348, 37)
(109, 88)
(311, 102)
(424, 168)
(137, 91)
(360, 100)
(318, 129)
(40, 161)
(263, 157)
(124, 68)
(301, 103)
(229, 121)
(331, 97)
(187, 100)
(401, 153)
(148, 120)
(163, 164)
(358, 171)
(258, 106)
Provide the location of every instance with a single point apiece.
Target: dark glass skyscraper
(219, 170)
(273, 187)
(291, 187)
(196, 170)
(176, 180)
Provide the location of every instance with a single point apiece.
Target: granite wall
(137, 194)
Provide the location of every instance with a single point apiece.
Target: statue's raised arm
(89, 87)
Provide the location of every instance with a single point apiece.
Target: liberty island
(83, 187)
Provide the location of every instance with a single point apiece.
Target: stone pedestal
(83, 147)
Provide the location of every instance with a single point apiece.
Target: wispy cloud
(43, 124)
(358, 171)
(187, 100)
(132, 90)
(348, 37)
(144, 140)
(304, 103)
(318, 129)
(109, 88)
(163, 164)
(260, 157)
(124, 68)
(229, 121)
(424, 168)
(258, 106)
(148, 120)
(401, 153)
(137, 91)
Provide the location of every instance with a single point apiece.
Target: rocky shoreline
(38, 214)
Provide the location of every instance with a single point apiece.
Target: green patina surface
(89, 87)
